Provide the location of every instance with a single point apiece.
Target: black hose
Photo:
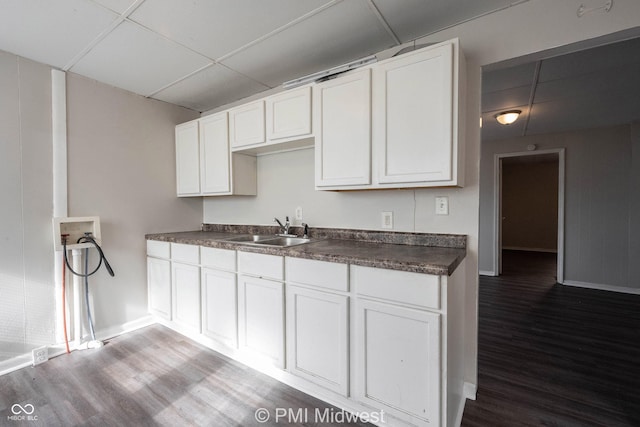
(88, 239)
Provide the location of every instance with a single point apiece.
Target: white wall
(524, 29)
(599, 194)
(27, 316)
(121, 167)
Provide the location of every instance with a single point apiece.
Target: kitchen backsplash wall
(286, 181)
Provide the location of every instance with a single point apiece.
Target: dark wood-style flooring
(553, 355)
(152, 377)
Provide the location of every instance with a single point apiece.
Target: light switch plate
(387, 220)
(442, 205)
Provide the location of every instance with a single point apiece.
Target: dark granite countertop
(358, 247)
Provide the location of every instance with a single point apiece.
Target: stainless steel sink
(251, 238)
(268, 240)
(284, 241)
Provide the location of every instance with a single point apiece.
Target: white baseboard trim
(601, 287)
(15, 363)
(470, 391)
(25, 360)
(114, 331)
(487, 273)
(519, 248)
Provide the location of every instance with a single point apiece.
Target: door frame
(497, 191)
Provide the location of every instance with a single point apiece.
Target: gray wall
(601, 203)
(121, 167)
(27, 316)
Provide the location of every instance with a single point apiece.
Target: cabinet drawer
(222, 259)
(399, 286)
(158, 249)
(185, 253)
(329, 275)
(261, 265)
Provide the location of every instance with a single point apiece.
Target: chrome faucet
(283, 228)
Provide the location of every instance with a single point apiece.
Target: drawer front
(222, 259)
(261, 265)
(404, 287)
(158, 249)
(185, 253)
(328, 275)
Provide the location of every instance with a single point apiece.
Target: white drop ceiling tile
(51, 32)
(410, 19)
(585, 112)
(506, 99)
(210, 88)
(118, 6)
(341, 33)
(218, 27)
(591, 60)
(620, 81)
(506, 78)
(138, 60)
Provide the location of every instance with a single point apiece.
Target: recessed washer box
(76, 227)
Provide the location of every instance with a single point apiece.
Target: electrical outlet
(387, 220)
(299, 213)
(442, 205)
(40, 355)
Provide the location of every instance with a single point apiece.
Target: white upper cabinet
(413, 116)
(342, 117)
(289, 114)
(214, 155)
(409, 139)
(187, 156)
(204, 164)
(247, 125)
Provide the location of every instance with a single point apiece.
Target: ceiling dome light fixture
(508, 117)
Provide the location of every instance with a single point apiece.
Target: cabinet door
(289, 114)
(219, 306)
(214, 155)
(187, 159)
(398, 361)
(246, 125)
(261, 318)
(317, 337)
(159, 287)
(342, 109)
(186, 295)
(413, 117)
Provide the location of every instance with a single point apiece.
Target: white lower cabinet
(220, 306)
(159, 287)
(318, 337)
(367, 339)
(398, 361)
(261, 318)
(219, 295)
(185, 279)
(159, 279)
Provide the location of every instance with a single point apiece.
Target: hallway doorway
(530, 205)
